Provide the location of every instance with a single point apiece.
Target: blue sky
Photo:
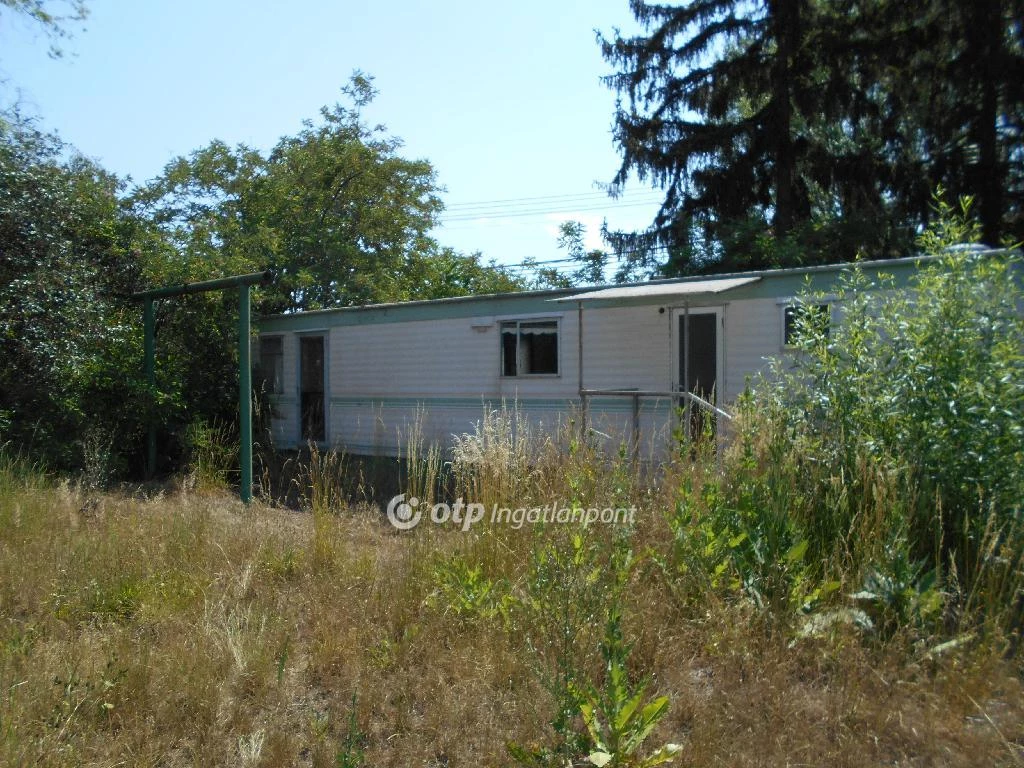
(503, 99)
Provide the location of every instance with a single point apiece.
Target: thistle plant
(619, 718)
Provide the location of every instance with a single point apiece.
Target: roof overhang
(680, 290)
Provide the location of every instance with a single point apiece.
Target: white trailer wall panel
(626, 348)
(753, 335)
(440, 374)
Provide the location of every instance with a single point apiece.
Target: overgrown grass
(192, 630)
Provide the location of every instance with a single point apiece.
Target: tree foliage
(66, 334)
(335, 212)
(802, 131)
(338, 215)
(591, 263)
(925, 386)
(53, 21)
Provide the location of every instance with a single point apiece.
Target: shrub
(906, 421)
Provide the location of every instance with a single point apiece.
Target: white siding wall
(626, 348)
(444, 373)
(629, 348)
(421, 358)
(753, 333)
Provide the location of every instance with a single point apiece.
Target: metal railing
(636, 395)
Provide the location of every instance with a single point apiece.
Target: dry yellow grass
(190, 630)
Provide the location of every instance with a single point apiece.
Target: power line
(526, 267)
(523, 222)
(531, 265)
(540, 212)
(530, 205)
(544, 199)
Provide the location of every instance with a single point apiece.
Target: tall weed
(497, 462)
(212, 451)
(321, 491)
(423, 465)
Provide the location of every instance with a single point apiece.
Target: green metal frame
(244, 284)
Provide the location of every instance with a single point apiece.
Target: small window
(792, 312)
(529, 348)
(272, 363)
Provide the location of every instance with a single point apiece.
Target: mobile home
(357, 378)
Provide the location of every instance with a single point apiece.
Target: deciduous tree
(338, 214)
(67, 339)
(54, 18)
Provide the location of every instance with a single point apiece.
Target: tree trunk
(984, 46)
(784, 17)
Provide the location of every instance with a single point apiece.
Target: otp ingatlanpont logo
(404, 515)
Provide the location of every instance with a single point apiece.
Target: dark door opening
(311, 388)
(698, 365)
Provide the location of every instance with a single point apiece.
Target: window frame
(791, 303)
(520, 320)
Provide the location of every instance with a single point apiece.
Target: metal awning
(663, 290)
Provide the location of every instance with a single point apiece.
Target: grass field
(187, 629)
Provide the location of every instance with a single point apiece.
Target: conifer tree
(713, 96)
(803, 131)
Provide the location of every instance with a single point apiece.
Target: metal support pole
(206, 285)
(584, 401)
(149, 347)
(579, 344)
(636, 430)
(688, 410)
(244, 394)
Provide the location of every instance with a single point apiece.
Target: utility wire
(499, 211)
(549, 199)
(461, 208)
(526, 267)
(539, 212)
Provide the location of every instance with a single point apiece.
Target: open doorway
(312, 389)
(699, 363)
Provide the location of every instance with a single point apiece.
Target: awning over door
(682, 289)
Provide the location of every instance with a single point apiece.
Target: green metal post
(244, 394)
(149, 345)
(243, 282)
